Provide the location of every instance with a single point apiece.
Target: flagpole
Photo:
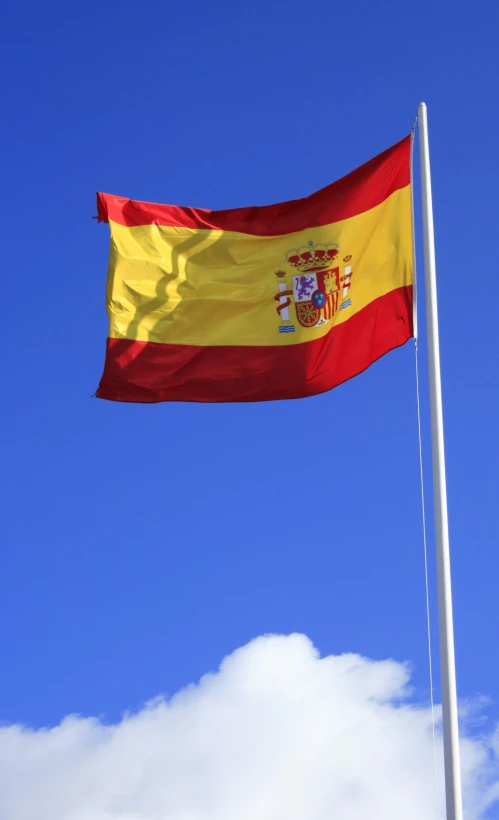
(453, 797)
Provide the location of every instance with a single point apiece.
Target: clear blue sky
(142, 544)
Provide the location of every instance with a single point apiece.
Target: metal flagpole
(447, 661)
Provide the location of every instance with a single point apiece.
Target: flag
(252, 304)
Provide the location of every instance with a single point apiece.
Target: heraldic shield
(316, 286)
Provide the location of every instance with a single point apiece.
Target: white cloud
(276, 734)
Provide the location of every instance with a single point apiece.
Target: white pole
(447, 661)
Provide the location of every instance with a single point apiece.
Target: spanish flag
(253, 304)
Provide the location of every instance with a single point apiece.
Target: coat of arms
(320, 281)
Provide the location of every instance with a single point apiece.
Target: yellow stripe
(201, 287)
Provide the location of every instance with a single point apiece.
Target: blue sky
(143, 544)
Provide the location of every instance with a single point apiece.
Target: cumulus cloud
(277, 733)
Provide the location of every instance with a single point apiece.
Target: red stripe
(359, 191)
(151, 372)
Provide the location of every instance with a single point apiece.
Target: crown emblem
(318, 288)
(312, 257)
